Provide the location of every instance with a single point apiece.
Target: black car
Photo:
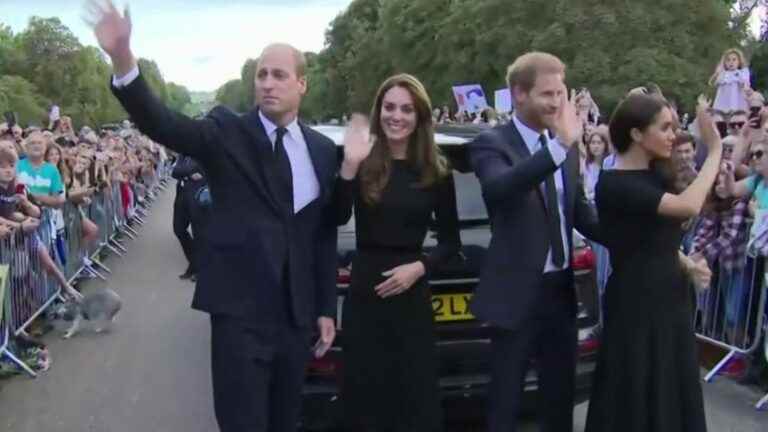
(463, 342)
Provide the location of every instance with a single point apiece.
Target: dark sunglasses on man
(736, 124)
(756, 155)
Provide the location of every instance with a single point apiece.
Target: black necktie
(553, 216)
(283, 171)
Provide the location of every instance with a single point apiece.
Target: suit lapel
(518, 150)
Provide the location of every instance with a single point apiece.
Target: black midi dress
(390, 359)
(647, 377)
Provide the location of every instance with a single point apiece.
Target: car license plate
(446, 307)
(451, 307)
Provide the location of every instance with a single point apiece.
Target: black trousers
(258, 373)
(549, 337)
(181, 220)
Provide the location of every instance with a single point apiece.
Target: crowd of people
(52, 174)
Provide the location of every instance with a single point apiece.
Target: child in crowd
(18, 212)
(731, 79)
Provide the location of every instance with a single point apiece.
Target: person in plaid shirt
(722, 237)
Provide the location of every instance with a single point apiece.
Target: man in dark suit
(529, 172)
(189, 177)
(270, 271)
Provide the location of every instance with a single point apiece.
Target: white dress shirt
(559, 154)
(306, 187)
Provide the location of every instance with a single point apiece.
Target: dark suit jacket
(510, 178)
(252, 235)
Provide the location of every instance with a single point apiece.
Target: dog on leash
(99, 307)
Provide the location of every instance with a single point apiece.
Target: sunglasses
(736, 125)
(756, 155)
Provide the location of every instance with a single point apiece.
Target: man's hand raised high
(113, 31)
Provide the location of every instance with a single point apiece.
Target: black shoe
(187, 275)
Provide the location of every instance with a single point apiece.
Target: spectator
(597, 151)
(684, 159)
(30, 212)
(53, 155)
(732, 82)
(445, 115)
(736, 121)
(721, 238)
(41, 178)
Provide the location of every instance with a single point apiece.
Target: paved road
(151, 374)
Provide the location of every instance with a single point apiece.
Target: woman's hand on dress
(401, 278)
(357, 145)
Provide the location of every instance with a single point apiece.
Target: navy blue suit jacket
(510, 177)
(252, 238)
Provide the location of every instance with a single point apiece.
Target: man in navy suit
(268, 276)
(529, 172)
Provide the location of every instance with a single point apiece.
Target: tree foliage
(609, 46)
(46, 64)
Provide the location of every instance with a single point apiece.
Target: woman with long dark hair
(597, 151)
(395, 178)
(647, 377)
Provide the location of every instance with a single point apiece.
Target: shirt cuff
(126, 79)
(557, 151)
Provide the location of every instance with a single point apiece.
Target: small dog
(99, 307)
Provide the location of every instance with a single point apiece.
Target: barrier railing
(731, 314)
(763, 403)
(30, 290)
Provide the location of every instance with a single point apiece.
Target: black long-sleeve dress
(647, 377)
(390, 360)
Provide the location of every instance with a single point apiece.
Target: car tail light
(589, 345)
(324, 366)
(583, 259)
(343, 276)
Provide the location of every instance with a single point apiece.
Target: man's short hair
(8, 154)
(524, 70)
(299, 58)
(682, 137)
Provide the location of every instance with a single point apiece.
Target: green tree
(21, 96)
(231, 95)
(151, 73)
(247, 77)
(178, 97)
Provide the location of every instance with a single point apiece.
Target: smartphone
(754, 117)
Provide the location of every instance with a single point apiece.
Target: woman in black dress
(395, 178)
(647, 377)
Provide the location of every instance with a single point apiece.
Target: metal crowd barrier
(31, 290)
(731, 314)
(763, 403)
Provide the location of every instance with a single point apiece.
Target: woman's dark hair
(639, 111)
